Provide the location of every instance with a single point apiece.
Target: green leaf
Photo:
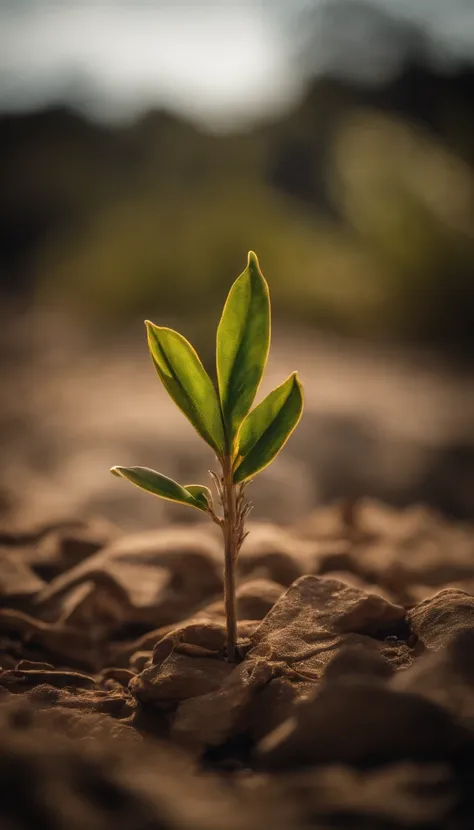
(186, 380)
(162, 486)
(201, 493)
(243, 341)
(267, 428)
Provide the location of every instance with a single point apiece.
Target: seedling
(245, 441)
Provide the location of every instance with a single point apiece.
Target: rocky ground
(352, 705)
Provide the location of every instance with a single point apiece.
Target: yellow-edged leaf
(186, 380)
(201, 493)
(243, 341)
(162, 486)
(267, 428)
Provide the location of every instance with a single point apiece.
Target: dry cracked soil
(351, 706)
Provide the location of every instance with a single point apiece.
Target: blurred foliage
(361, 214)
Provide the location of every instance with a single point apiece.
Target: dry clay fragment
(114, 702)
(74, 721)
(352, 721)
(19, 680)
(372, 518)
(140, 660)
(305, 628)
(65, 547)
(278, 554)
(179, 678)
(272, 553)
(34, 665)
(115, 676)
(361, 723)
(17, 579)
(351, 578)
(50, 780)
(210, 719)
(358, 664)
(421, 558)
(160, 576)
(50, 550)
(28, 536)
(397, 548)
(186, 663)
(398, 795)
(315, 617)
(437, 620)
(69, 645)
(445, 676)
(94, 611)
(254, 599)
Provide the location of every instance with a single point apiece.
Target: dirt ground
(352, 703)
(351, 706)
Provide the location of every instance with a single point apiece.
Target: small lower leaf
(201, 493)
(267, 428)
(162, 486)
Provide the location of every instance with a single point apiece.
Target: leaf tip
(149, 329)
(116, 471)
(256, 276)
(252, 259)
(298, 384)
(253, 265)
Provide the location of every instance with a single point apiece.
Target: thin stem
(232, 523)
(231, 530)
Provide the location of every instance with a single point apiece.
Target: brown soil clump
(351, 704)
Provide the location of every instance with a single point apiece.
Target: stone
(272, 553)
(307, 625)
(445, 676)
(17, 579)
(63, 547)
(333, 556)
(272, 705)
(19, 680)
(158, 578)
(256, 598)
(70, 646)
(188, 663)
(140, 660)
(210, 719)
(194, 637)
(315, 617)
(361, 723)
(351, 578)
(396, 796)
(416, 554)
(356, 663)
(111, 778)
(437, 620)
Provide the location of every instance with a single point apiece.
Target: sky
(220, 61)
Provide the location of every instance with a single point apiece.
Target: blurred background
(145, 147)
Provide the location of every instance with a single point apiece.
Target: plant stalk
(230, 529)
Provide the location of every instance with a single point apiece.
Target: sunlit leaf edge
(238, 463)
(216, 442)
(252, 263)
(188, 499)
